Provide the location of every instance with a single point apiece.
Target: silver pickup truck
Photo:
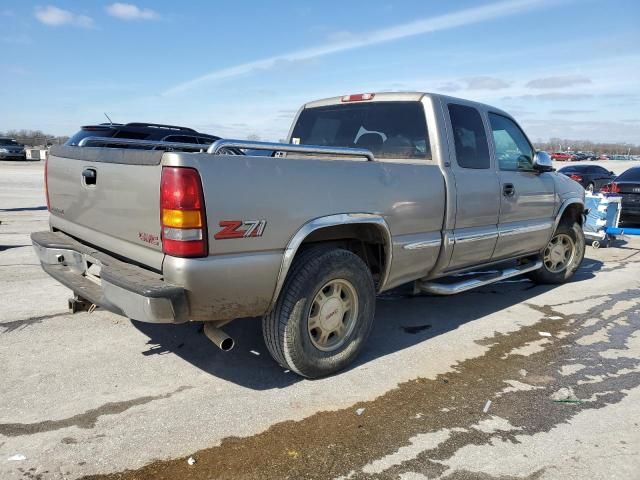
(372, 191)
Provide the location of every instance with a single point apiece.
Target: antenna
(110, 122)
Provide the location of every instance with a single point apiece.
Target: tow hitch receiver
(79, 304)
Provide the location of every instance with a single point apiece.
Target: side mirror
(611, 172)
(542, 162)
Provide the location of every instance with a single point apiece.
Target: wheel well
(573, 213)
(365, 240)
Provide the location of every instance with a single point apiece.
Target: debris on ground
(544, 334)
(191, 461)
(254, 352)
(522, 372)
(486, 406)
(555, 317)
(293, 453)
(360, 411)
(18, 457)
(565, 395)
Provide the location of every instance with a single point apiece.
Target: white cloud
(486, 83)
(551, 96)
(350, 42)
(128, 11)
(568, 111)
(445, 87)
(559, 81)
(56, 17)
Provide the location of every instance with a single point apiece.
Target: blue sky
(563, 68)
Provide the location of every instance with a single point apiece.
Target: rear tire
(324, 313)
(562, 256)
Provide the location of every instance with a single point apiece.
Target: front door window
(513, 150)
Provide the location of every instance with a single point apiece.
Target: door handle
(89, 176)
(508, 190)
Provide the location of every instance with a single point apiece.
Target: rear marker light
(358, 97)
(575, 177)
(182, 213)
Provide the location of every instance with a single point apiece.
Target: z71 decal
(240, 229)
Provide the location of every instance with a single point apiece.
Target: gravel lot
(509, 381)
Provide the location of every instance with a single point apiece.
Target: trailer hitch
(79, 304)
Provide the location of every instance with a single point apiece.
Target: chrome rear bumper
(110, 283)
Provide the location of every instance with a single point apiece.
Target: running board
(486, 279)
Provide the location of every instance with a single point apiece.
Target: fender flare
(563, 207)
(332, 221)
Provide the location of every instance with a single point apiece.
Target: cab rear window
(388, 129)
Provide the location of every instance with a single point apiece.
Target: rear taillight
(46, 181)
(610, 188)
(182, 214)
(575, 177)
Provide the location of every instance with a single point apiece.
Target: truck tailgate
(109, 198)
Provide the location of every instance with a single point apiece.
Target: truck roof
(403, 97)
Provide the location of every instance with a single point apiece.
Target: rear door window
(388, 129)
(472, 150)
(513, 150)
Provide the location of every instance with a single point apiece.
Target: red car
(563, 157)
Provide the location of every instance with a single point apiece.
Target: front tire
(562, 256)
(324, 313)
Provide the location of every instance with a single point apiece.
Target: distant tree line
(34, 138)
(563, 144)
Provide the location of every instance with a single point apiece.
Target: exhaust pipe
(223, 341)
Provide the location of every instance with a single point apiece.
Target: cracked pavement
(450, 387)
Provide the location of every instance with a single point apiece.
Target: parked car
(591, 177)
(141, 131)
(563, 157)
(10, 149)
(372, 191)
(627, 185)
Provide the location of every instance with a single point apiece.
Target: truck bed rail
(217, 146)
(228, 146)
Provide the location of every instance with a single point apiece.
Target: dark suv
(143, 131)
